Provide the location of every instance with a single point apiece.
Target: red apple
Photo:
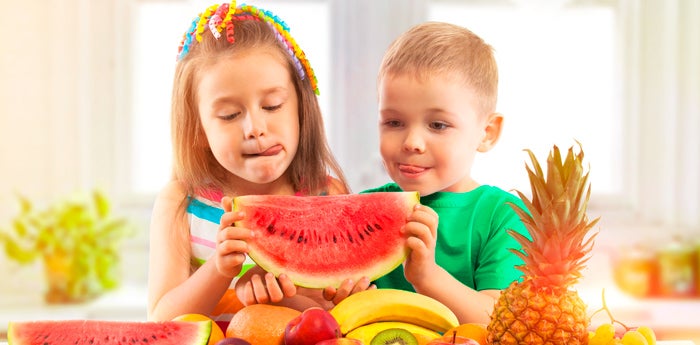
(450, 339)
(340, 341)
(311, 326)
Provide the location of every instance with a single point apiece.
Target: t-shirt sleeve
(497, 267)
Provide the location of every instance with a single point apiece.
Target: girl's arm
(171, 289)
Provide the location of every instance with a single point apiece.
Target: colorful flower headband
(218, 18)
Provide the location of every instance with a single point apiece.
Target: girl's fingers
(259, 290)
(288, 287)
(273, 289)
(227, 203)
(248, 294)
(228, 218)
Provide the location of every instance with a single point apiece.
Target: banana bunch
(366, 333)
(377, 305)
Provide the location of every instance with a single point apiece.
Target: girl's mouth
(271, 151)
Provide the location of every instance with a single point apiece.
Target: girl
(245, 120)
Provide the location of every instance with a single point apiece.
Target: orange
(216, 332)
(476, 331)
(261, 324)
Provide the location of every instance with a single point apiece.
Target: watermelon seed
(360, 234)
(291, 237)
(271, 228)
(377, 226)
(349, 237)
(335, 240)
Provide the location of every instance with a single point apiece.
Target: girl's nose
(254, 126)
(414, 142)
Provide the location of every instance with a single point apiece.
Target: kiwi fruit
(394, 336)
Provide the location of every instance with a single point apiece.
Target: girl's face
(248, 109)
(429, 133)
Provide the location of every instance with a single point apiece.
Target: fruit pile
(371, 317)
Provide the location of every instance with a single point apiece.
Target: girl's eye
(273, 107)
(438, 125)
(230, 117)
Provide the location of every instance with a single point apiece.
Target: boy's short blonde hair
(448, 50)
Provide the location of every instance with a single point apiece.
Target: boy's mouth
(411, 169)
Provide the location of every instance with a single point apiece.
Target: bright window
(558, 83)
(158, 29)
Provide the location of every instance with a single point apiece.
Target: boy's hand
(421, 230)
(230, 242)
(263, 287)
(346, 288)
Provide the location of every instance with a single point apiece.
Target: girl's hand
(265, 288)
(230, 242)
(421, 230)
(346, 289)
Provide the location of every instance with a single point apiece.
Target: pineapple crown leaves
(556, 220)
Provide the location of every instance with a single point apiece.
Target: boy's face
(429, 132)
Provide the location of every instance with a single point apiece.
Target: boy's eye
(272, 107)
(392, 123)
(438, 125)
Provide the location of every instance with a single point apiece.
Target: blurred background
(84, 106)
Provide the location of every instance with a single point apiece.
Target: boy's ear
(492, 132)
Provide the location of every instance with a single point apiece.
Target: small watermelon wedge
(320, 241)
(96, 332)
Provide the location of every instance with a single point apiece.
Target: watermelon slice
(95, 332)
(319, 241)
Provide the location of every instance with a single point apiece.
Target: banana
(376, 305)
(367, 332)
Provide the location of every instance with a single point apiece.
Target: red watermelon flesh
(319, 241)
(95, 332)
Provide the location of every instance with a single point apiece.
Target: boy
(437, 97)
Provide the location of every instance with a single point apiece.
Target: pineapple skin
(527, 314)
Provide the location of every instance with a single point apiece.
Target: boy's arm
(470, 307)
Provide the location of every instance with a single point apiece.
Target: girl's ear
(492, 132)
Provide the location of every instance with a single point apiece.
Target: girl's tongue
(271, 151)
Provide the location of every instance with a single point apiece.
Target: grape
(603, 334)
(648, 333)
(634, 338)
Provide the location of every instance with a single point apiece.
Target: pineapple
(543, 309)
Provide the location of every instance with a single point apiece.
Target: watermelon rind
(99, 332)
(320, 263)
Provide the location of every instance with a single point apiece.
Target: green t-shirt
(472, 243)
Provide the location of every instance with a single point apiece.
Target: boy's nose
(414, 142)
